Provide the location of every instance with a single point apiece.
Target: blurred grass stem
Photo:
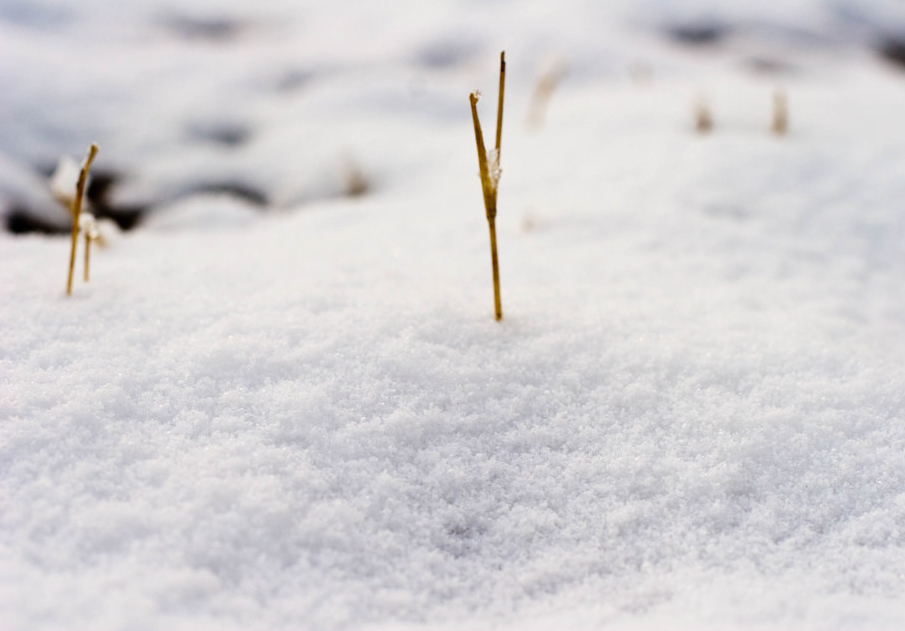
(76, 213)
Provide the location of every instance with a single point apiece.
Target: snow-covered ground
(291, 408)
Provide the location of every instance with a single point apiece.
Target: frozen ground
(295, 410)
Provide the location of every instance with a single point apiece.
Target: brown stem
(75, 240)
(497, 302)
(499, 106)
(546, 84)
(780, 113)
(486, 186)
(87, 254)
(77, 211)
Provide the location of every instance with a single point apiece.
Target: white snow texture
(305, 416)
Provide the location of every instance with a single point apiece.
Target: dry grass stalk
(703, 118)
(356, 182)
(87, 256)
(490, 177)
(89, 229)
(546, 84)
(77, 211)
(780, 113)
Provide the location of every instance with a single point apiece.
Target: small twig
(489, 201)
(546, 84)
(356, 183)
(88, 226)
(77, 211)
(780, 113)
(703, 118)
(87, 254)
(499, 105)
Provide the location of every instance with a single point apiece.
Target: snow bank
(690, 416)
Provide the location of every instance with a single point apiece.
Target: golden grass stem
(546, 85)
(703, 118)
(77, 211)
(87, 255)
(780, 113)
(497, 301)
(486, 185)
(499, 105)
(489, 181)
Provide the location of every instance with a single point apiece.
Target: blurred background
(277, 104)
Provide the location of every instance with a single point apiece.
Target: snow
(302, 414)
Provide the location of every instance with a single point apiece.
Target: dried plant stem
(544, 89)
(497, 301)
(87, 254)
(489, 180)
(703, 118)
(77, 211)
(499, 104)
(486, 185)
(780, 113)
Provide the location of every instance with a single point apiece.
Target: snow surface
(305, 416)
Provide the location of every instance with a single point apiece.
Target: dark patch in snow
(461, 539)
(214, 29)
(702, 34)
(34, 14)
(445, 54)
(726, 211)
(893, 51)
(245, 192)
(227, 134)
(292, 80)
(98, 195)
(20, 221)
(45, 168)
(126, 217)
(769, 65)
(100, 185)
